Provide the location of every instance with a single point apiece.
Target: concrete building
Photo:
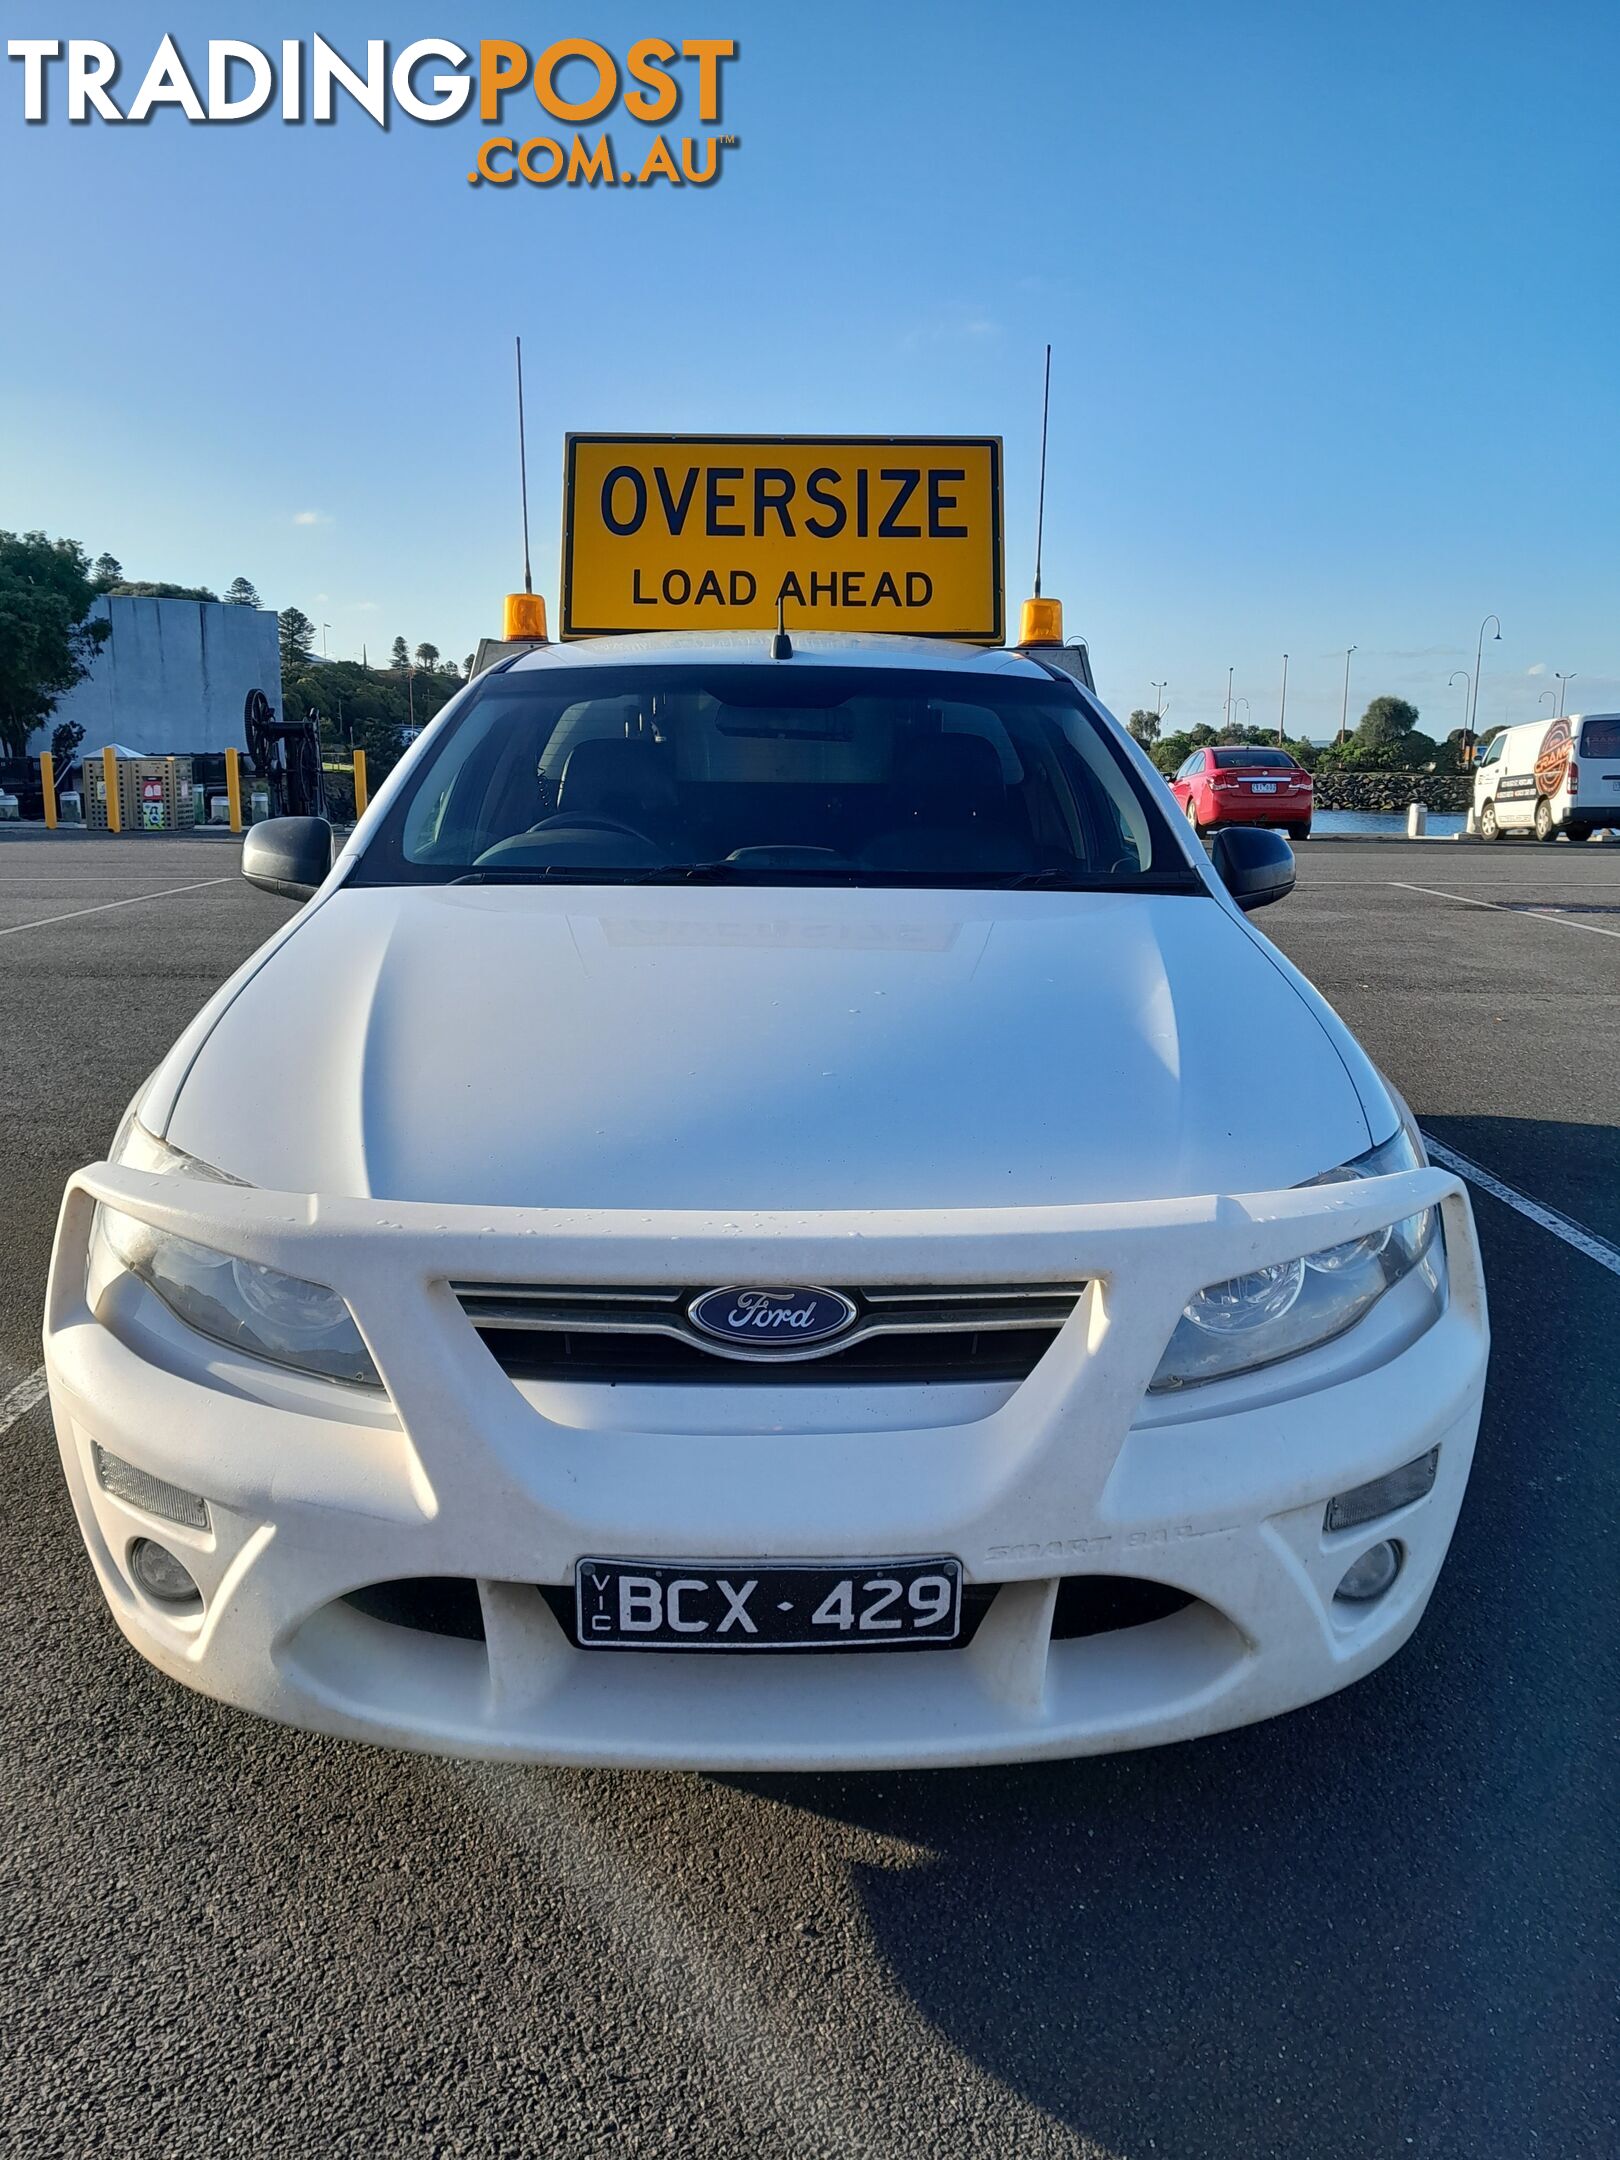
(173, 677)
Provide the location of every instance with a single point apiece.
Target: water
(1442, 824)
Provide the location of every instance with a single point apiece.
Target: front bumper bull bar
(315, 1491)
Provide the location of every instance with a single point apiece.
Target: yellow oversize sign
(676, 532)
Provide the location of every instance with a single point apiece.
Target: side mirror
(1254, 865)
(288, 856)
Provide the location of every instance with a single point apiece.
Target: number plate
(1263, 787)
(777, 1605)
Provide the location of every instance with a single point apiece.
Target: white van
(1550, 777)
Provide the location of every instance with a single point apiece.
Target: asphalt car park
(1384, 1923)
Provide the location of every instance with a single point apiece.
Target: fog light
(126, 1482)
(161, 1575)
(1384, 1495)
(1371, 1575)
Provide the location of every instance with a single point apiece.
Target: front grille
(910, 1334)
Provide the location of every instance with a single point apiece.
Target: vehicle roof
(1522, 727)
(813, 648)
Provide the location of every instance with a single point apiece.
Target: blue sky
(1334, 293)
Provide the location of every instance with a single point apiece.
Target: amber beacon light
(525, 618)
(1040, 622)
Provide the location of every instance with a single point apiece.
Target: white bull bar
(481, 1483)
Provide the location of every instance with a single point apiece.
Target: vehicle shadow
(1381, 1924)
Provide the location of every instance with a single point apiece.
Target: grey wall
(173, 677)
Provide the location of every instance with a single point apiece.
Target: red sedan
(1236, 784)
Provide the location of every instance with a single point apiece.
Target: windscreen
(775, 774)
(1248, 759)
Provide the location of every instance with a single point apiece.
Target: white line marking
(45, 921)
(23, 1398)
(41, 877)
(1564, 922)
(1573, 1233)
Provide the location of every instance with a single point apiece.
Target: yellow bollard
(362, 794)
(47, 776)
(233, 788)
(109, 768)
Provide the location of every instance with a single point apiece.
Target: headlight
(235, 1302)
(1276, 1312)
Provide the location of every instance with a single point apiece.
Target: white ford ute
(769, 1212)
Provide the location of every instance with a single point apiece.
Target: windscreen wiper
(748, 873)
(1071, 880)
(1100, 881)
(533, 874)
(601, 874)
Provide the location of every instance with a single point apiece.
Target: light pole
(1159, 688)
(1344, 709)
(1243, 701)
(1229, 697)
(325, 626)
(1467, 684)
(1479, 649)
(1282, 709)
(1547, 694)
(1564, 682)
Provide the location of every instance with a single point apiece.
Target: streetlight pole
(1243, 701)
(1282, 709)
(325, 626)
(1547, 694)
(1344, 709)
(1159, 688)
(1479, 650)
(1564, 682)
(1467, 686)
(1229, 697)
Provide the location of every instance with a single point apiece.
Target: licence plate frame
(1263, 787)
(777, 1599)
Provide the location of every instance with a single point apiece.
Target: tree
(467, 665)
(297, 636)
(66, 737)
(240, 592)
(400, 657)
(46, 641)
(109, 571)
(141, 589)
(1385, 721)
(427, 656)
(1144, 726)
(1170, 750)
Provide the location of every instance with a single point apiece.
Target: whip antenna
(525, 612)
(523, 470)
(1040, 512)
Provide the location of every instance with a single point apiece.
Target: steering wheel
(573, 823)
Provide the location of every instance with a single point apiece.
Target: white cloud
(365, 607)
(1540, 668)
(312, 517)
(964, 327)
